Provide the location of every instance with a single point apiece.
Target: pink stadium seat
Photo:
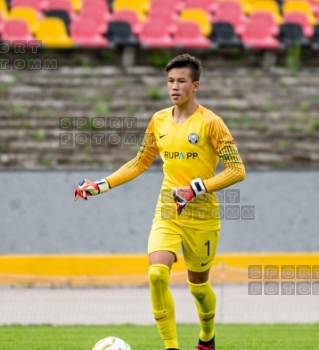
(206, 5)
(92, 13)
(97, 6)
(188, 34)
(102, 5)
(85, 33)
(166, 16)
(163, 11)
(315, 7)
(35, 4)
(154, 34)
(16, 30)
(173, 5)
(260, 30)
(230, 12)
(129, 16)
(302, 20)
(1, 23)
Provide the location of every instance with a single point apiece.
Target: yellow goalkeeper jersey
(188, 150)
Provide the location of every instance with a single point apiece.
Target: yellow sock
(205, 300)
(163, 304)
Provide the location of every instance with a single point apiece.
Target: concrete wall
(272, 115)
(38, 214)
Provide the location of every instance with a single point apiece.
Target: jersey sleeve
(227, 151)
(143, 160)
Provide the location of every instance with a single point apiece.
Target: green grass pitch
(228, 337)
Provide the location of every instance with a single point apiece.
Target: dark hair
(186, 60)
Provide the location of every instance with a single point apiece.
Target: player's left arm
(227, 151)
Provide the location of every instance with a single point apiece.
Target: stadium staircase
(272, 115)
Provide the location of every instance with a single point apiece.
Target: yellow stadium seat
(141, 6)
(199, 16)
(246, 4)
(268, 6)
(28, 14)
(77, 5)
(3, 8)
(52, 32)
(303, 7)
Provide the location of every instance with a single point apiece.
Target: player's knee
(158, 275)
(198, 290)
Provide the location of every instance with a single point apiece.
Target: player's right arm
(129, 171)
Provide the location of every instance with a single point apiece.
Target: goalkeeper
(191, 140)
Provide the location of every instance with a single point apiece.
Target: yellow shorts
(199, 246)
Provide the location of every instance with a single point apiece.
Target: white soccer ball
(111, 343)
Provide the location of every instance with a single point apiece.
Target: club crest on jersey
(193, 138)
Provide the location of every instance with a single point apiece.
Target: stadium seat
(3, 9)
(223, 35)
(269, 6)
(29, 15)
(205, 5)
(141, 6)
(85, 33)
(62, 5)
(100, 18)
(92, 7)
(313, 3)
(174, 6)
(129, 16)
(35, 4)
(162, 12)
(292, 34)
(1, 23)
(300, 6)
(267, 20)
(199, 16)
(16, 30)
(53, 34)
(259, 31)
(120, 34)
(102, 5)
(168, 18)
(315, 7)
(64, 16)
(153, 34)
(230, 12)
(189, 35)
(302, 20)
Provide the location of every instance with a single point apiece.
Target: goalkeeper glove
(183, 195)
(90, 188)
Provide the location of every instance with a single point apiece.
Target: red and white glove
(184, 195)
(90, 188)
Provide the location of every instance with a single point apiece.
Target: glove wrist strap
(198, 186)
(103, 185)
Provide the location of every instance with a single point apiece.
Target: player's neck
(182, 112)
